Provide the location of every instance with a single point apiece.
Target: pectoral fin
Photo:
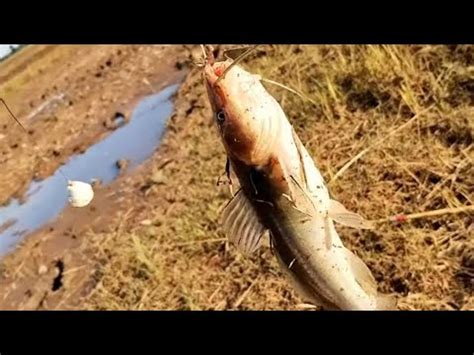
(241, 224)
(350, 219)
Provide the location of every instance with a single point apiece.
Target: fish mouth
(214, 71)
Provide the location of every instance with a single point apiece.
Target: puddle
(134, 141)
(7, 49)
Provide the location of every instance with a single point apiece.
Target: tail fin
(386, 303)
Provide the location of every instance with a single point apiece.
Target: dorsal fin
(241, 224)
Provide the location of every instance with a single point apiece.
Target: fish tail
(386, 303)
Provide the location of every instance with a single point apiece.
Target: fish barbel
(284, 193)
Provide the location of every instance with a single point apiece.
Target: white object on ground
(80, 193)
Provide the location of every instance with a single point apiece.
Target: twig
(65, 298)
(246, 292)
(406, 217)
(215, 293)
(380, 141)
(70, 271)
(407, 171)
(440, 184)
(200, 242)
(153, 89)
(45, 104)
(306, 306)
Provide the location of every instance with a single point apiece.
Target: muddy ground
(150, 239)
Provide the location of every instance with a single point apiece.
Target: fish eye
(220, 116)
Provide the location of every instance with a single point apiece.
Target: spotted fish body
(283, 192)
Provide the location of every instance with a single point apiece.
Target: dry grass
(357, 96)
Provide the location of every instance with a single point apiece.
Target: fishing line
(27, 134)
(236, 61)
(80, 193)
(11, 114)
(242, 57)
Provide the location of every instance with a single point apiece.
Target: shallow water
(6, 49)
(134, 141)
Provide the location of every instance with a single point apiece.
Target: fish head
(234, 101)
